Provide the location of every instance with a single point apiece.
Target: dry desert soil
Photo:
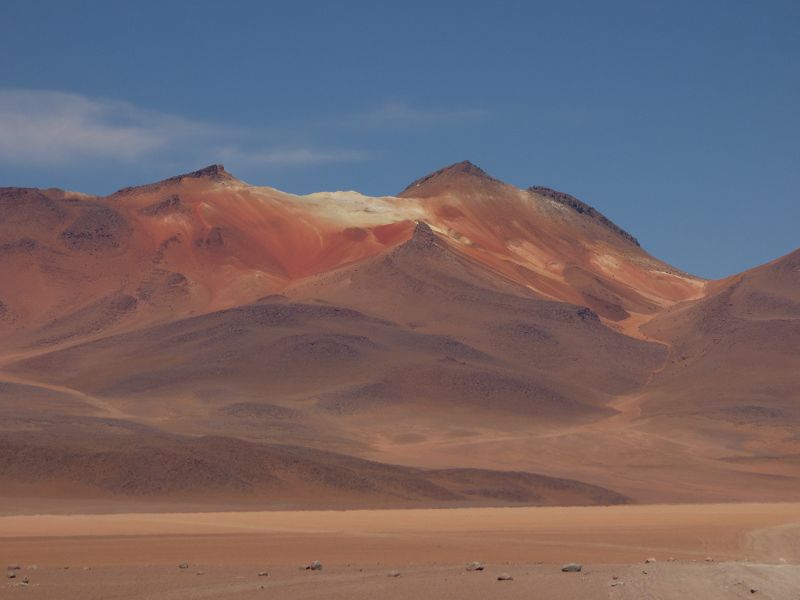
(700, 551)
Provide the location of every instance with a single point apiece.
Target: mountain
(463, 342)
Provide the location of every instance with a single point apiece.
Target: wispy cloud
(47, 128)
(53, 128)
(402, 114)
(290, 156)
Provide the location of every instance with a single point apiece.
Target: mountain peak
(582, 208)
(459, 172)
(466, 167)
(213, 172)
(216, 173)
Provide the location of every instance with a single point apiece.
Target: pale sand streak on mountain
(106, 409)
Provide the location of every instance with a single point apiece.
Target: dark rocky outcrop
(213, 239)
(24, 244)
(96, 229)
(169, 205)
(582, 208)
(23, 206)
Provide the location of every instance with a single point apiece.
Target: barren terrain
(205, 385)
(708, 551)
(465, 343)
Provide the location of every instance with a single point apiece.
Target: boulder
(572, 568)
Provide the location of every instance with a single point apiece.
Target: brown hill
(197, 470)
(734, 370)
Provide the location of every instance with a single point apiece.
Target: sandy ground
(667, 581)
(717, 551)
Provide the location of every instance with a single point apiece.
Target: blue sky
(679, 120)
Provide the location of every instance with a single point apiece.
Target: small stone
(709, 559)
(263, 574)
(314, 565)
(475, 566)
(13, 567)
(644, 572)
(572, 568)
(11, 575)
(753, 590)
(650, 561)
(26, 580)
(504, 577)
(394, 573)
(183, 565)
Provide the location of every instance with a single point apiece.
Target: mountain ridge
(463, 324)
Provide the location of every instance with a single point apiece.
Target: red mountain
(202, 334)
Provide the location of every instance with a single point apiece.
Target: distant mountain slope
(735, 360)
(218, 469)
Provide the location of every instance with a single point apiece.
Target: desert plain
(656, 551)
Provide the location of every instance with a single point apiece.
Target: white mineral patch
(367, 209)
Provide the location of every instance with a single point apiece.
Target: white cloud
(52, 128)
(48, 128)
(289, 156)
(55, 128)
